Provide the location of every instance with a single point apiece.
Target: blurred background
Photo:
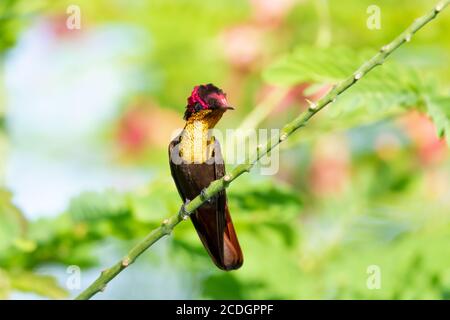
(86, 115)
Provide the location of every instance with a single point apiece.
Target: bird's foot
(204, 196)
(183, 212)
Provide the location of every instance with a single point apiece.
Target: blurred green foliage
(299, 242)
(385, 92)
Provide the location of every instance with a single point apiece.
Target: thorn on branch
(165, 227)
(126, 262)
(312, 105)
(165, 224)
(358, 75)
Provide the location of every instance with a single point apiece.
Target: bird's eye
(198, 107)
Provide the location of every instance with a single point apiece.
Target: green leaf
(384, 92)
(310, 64)
(12, 223)
(42, 285)
(155, 202)
(5, 285)
(98, 205)
(439, 110)
(265, 201)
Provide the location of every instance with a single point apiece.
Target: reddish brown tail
(218, 237)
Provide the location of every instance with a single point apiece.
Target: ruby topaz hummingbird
(196, 161)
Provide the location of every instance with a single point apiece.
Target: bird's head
(206, 100)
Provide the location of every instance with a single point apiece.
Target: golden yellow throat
(194, 145)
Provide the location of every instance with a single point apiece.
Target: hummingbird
(195, 161)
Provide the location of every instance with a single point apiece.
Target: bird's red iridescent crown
(204, 97)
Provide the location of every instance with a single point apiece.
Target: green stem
(216, 186)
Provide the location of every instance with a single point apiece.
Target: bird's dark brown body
(212, 220)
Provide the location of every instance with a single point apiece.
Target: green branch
(216, 186)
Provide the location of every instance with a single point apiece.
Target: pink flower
(242, 45)
(423, 134)
(271, 12)
(330, 168)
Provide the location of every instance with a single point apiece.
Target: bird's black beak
(229, 108)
